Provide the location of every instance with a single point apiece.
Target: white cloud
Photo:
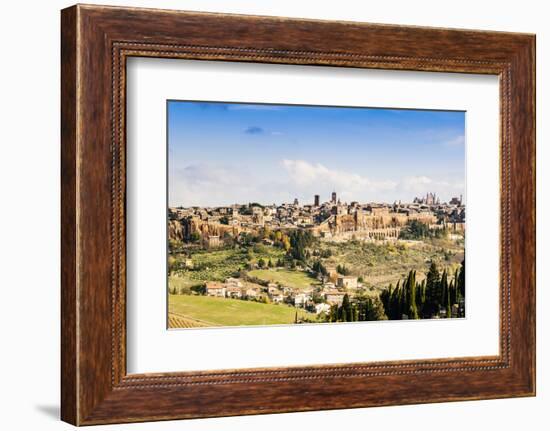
(207, 184)
(457, 141)
(303, 173)
(420, 185)
(415, 184)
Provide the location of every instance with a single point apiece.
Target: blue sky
(224, 153)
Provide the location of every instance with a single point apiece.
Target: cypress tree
(461, 289)
(444, 291)
(462, 281)
(449, 298)
(377, 310)
(373, 311)
(412, 311)
(455, 294)
(333, 313)
(354, 313)
(360, 307)
(403, 300)
(443, 285)
(385, 298)
(431, 302)
(346, 309)
(421, 295)
(396, 302)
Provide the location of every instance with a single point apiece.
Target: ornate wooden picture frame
(96, 41)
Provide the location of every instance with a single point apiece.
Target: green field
(284, 277)
(233, 312)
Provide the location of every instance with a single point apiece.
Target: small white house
(278, 298)
(272, 288)
(288, 290)
(213, 288)
(233, 292)
(322, 308)
(252, 292)
(300, 299)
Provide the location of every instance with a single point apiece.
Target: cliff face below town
(175, 230)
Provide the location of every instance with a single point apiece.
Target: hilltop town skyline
(312, 201)
(334, 219)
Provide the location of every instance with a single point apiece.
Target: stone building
(346, 282)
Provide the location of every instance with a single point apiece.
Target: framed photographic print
(235, 257)
(281, 207)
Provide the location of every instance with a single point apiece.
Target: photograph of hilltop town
(290, 214)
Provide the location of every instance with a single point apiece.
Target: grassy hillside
(384, 263)
(233, 312)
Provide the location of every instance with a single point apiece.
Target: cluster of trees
(427, 299)
(300, 240)
(199, 289)
(361, 309)
(319, 269)
(325, 253)
(262, 263)
(279, 238)
(343, 270)
(417, 230)
(248, 239)
(296, 244)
